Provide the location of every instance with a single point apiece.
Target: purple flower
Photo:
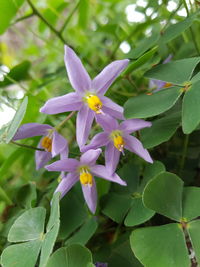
(116, 137)
(101, 264)
(52, 142)
(88, 97)
(158, 84)
(83, 170)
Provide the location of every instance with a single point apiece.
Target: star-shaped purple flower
(88, 97)
(83, 170)
(52, 142)
(116, 137)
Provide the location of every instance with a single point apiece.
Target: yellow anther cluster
(94, 103)
(167, 85)
(47, 143)
(119, 142)
(86, 178)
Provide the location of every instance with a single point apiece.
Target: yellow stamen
(167, 85)
(47, 143)
(119, 142)
(94, 103)
(86, 178)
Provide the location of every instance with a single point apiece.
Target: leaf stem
(27, 146)
(65, 120)
(37, 13)
(69, 17)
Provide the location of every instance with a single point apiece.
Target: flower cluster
(90, 102)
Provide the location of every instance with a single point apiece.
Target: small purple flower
(52, 142)
(157, 84)
(83, 170)
(101, 264)
(116, 137)
(88, 97)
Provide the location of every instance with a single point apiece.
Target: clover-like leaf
(145, 106)
(163, 194)
(29, 226)
(175, 72)
(71, 256)
(160, 246)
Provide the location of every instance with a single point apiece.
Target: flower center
(85, 176)
(167, 85)
(94, 103)
(47, 143)
(118, 140)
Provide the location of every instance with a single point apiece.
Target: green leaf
(151, 170)
(84, 234)
(175, 72)
(145, 106)
(160, 246)
(72, 256)
(195, 78)
(138, 213)
(191, 200)
(52, 230)
(140, 61)
(48, 244)
(176, 29)
(28, 226)
(163, 194)
(194, 233)
(21, 255)
(111, 201)
(143, 46)
(191, 108)
(7, 11)
(73, 214)
(55, 211)
(161, 130)
(26, 196)
(17, 73)
(17, 120)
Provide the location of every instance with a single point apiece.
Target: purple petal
(102, 171)
(41, 157)
(107, 122)
(31, 129)
(112, 156)
(83, 125)
(97, 141)
(78, 76)
(156, 84)
(101, 264)
(106, 77)
(68, 102)
(59, 143)
(111, 108)
(66, 183)
(135, 146)
(64, 153)
(90, 195)
(168, 59)
(133, 125)
(90, 157)
(66, 165)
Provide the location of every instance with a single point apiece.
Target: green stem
(69, 17)
(191, 30)
(23, 18)
(64, 121)
(26, 146)
(184, 153)
(37, 13)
